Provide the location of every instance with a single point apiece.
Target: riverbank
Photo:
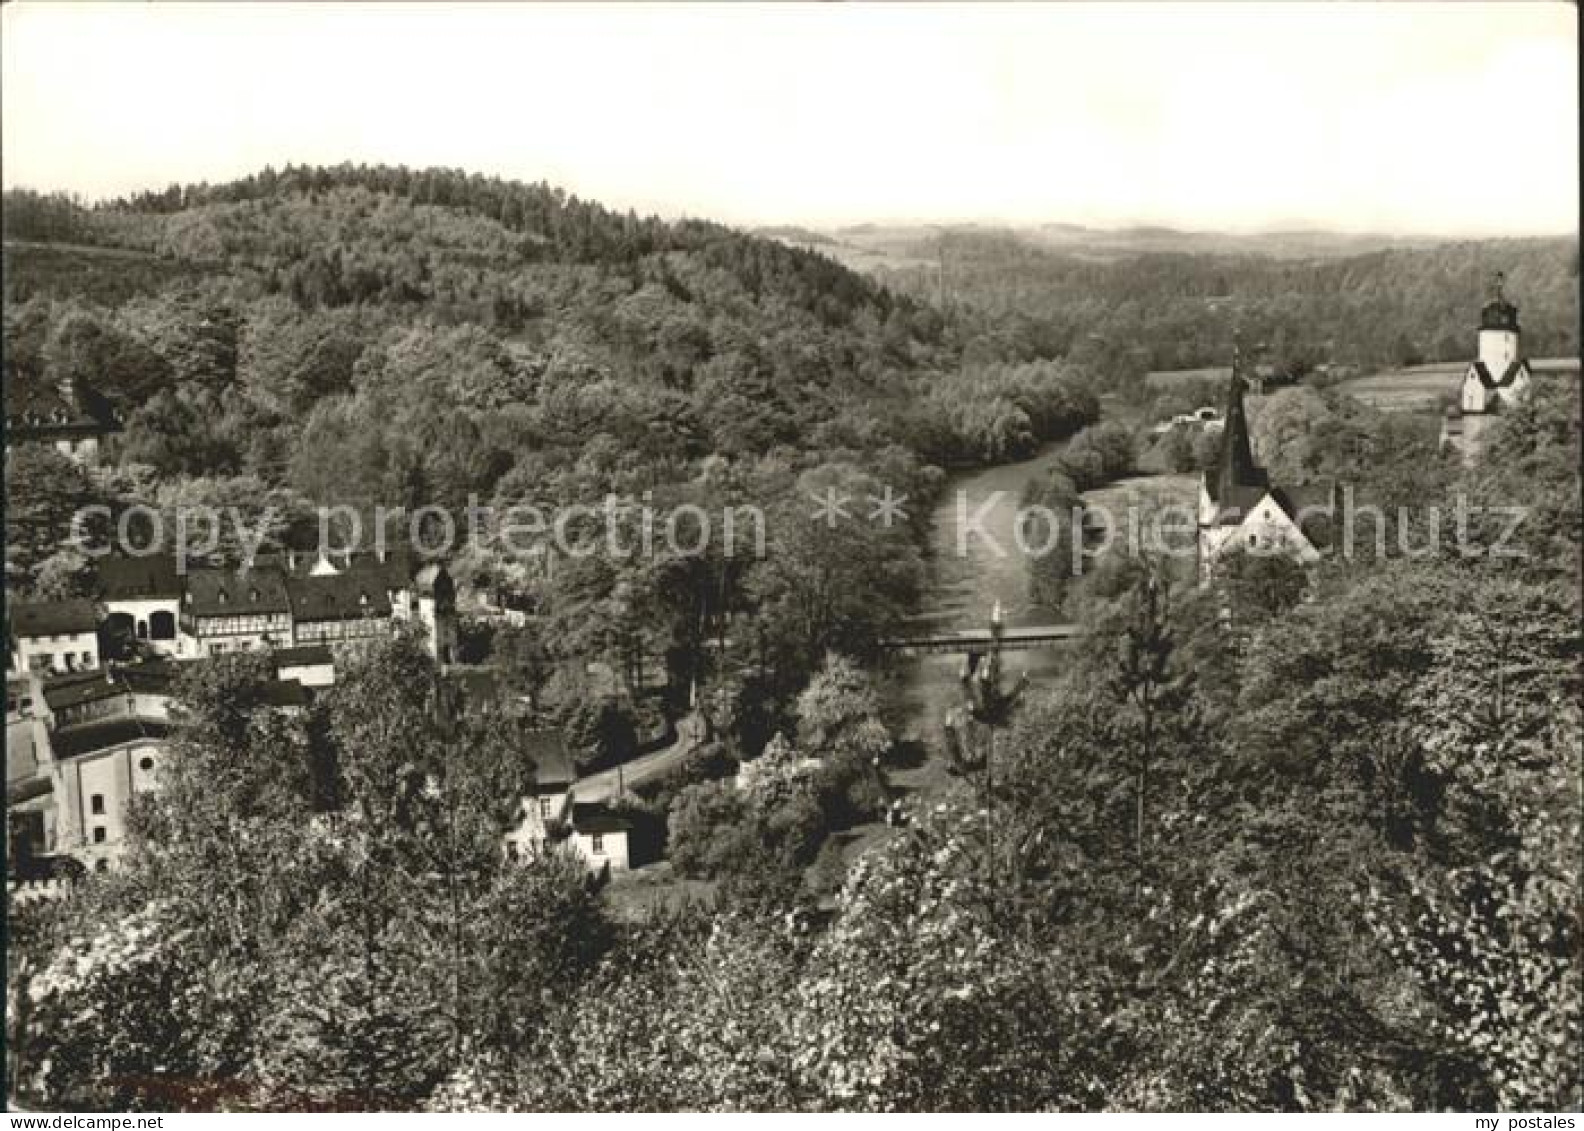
(969, 575)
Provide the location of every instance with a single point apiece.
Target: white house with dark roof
(547, 809)
(142, 602)
(59, 636)
(552, 815)
(226, 610)
(339, 608)
(600, 837)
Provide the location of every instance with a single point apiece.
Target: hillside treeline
(1129, 315)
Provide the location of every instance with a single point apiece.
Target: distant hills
(1126, 301)
(866, 246)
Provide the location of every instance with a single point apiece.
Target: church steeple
(1236, 467)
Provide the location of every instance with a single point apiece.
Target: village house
(311, 665)
(106, 740)
(228, 611)
(91, 743)
(339, 608)
(60, 636)
(551, 813)
(142, 602)
(70, 417)
(600, 837)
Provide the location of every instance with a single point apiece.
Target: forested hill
(738, 343)
(1125, 306)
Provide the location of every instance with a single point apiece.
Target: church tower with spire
(1240, 509)
(1498, 378)
(1500, 375)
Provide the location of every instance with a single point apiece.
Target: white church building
(1240, 509)
(1501, 374)
(1497, 379)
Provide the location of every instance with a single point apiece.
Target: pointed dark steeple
(1236, 467)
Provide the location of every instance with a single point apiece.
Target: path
(607, 784)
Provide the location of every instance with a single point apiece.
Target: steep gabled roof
(36, 408)
(132, 579)
(354, 595)
(1509, 375)
(1311, 507)
(228, 593)
(52, 618)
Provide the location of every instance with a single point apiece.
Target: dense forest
(1126, 315)
(1307, 840)
(1321, 854)
(382, 337)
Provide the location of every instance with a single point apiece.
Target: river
(968, 575)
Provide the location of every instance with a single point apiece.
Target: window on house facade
(96, 804)
(146, 764)
(546, 808)
(99, 834)
(597, 844)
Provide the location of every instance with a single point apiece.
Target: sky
(1448, 119)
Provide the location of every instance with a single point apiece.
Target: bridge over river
(969, 576)
(1025, 638)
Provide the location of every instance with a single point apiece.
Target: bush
(850, 789)
(709, 830)
(708, 763)
(601, 732)
(1097, 455)
(829, 870)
